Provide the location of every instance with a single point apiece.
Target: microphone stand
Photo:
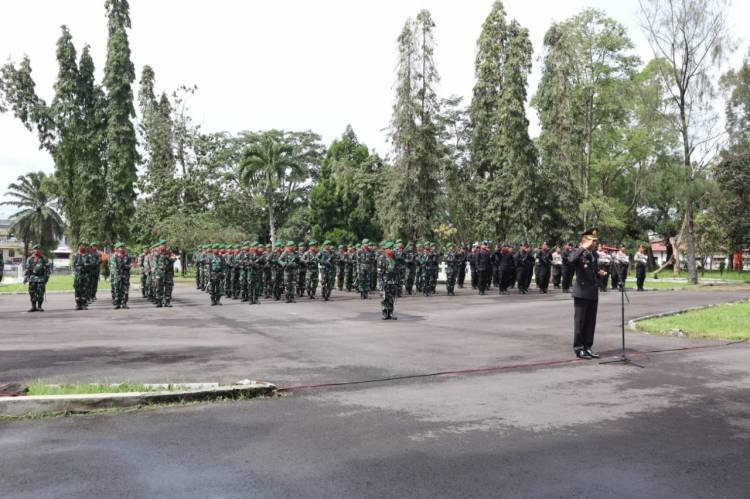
(623, 358)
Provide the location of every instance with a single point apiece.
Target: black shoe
(583, 354)
(117, 307)
(78, 307)
(158, 305)
(213, 304)
(168, 305)
(125, 305)
(592, 354)
(32, 309)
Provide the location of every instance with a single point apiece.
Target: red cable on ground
(545, 363)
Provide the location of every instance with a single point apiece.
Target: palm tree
(36, 220)
(265, 166)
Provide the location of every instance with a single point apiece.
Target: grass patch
(44, 389)
(55, 283)
(708, 274)
(730, 321)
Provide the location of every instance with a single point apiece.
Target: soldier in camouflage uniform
(267, 271)
(364, 267)
(389, 271)
(95, 262)
(37, 274)
(409, 257)
(301, 270)
(120, 276)
(82, 263)
(350, 267)
(451, 260)
(278, 271)
(255, 280)
(244, 261)
(289, 261)
(312, 269)
(215, 275)
(329, 264)
(340, 266)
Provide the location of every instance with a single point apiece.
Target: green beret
(357, 245)
(118, 245)
(312, 242)
(365, 241)
(341, 246)
(326, 242)
(388, 245)
(35, 246)
(449, 245)
(162, 241)
(399, 241)
(291, 243)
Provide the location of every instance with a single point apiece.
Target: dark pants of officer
(604, 280)
(584, 323)
(474, 278)
(461, 275)
(617, 271)
(483, 280)
(556, 276)
(506, 277)
(640, 275)
(567, 277)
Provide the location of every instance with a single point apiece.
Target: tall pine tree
(409, 205)
(121, 154)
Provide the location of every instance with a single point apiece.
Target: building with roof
(11, 248)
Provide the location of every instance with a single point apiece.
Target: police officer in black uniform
(484, 268)
(585, 293)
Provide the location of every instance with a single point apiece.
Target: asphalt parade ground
(465, 396)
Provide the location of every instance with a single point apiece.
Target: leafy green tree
(342, 203)
(36, 220)
(733, 170)
(410, 200)
(267, 165)
(121, 154)
(581, 102)
(692, 36)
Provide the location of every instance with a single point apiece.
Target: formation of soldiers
(156, 264)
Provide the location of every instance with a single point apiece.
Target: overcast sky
(291, 64)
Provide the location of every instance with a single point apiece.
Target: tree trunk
(271, 226)
(692, 268)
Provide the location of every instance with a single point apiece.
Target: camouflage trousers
(388, 297)
(278, 284)
(450, 280)
(312, 283)
(254, 285)
(81, 288)
(328, 277)
(214, 287)
(363, 280)
(36, 292)
(120, 289)
(411, 274)
(290, 284)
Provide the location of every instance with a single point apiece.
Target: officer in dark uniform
(507, 268)
(524, 268)
(585, 293)
(473, 266)
(542, 268)
(461, 260)
(567, 268)
(484, 268)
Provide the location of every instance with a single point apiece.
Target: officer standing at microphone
(585, 293)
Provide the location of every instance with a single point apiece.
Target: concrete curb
(632, 323)
(84, 403)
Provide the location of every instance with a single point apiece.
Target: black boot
(33, 307)
(39, 307)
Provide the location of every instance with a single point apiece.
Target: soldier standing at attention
(364, 264)
(289, 261)
(473, 266)
(350, 267)
(542, 268)
(507, 268)
(483, 266)
(389, 272)
(37, 275)
(301, 269)
(329, 263)
(81, 277)
(451, 263)
(461, 259)
(641, 260)
(568, 268)
(120, 276)
(96, 260)
(495, 258)
(278, 272)
(409, 257)
(585, 294)
(556, 267)
(341, 266)
(398, 254)
(215, 275)
(312, 267)
(245, 261)
(524, 268)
